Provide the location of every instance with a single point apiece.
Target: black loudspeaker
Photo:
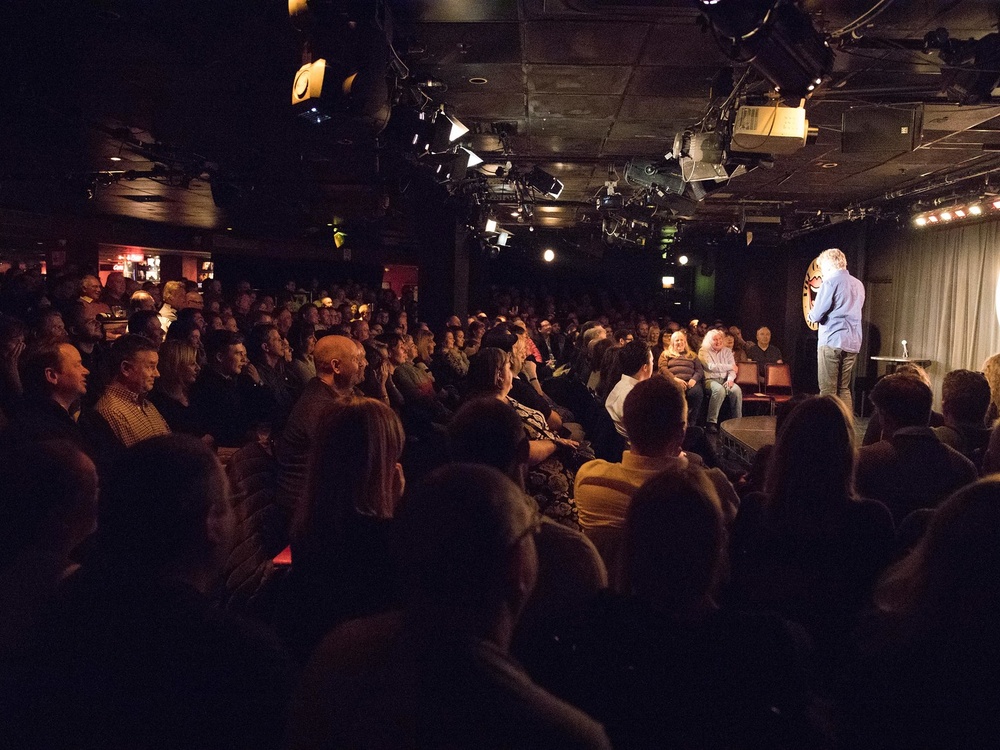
(880, 129)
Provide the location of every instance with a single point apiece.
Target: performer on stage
(837, 310)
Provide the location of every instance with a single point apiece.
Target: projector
(769, 130)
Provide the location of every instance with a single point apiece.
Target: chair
(748, 379)
(778, 384)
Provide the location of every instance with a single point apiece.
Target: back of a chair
(778, 378)
(747, 374)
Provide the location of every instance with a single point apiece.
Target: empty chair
(748, 379)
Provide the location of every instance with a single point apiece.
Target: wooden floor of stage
(742, 438)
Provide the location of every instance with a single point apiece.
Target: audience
(118, 634)
(808, 547)
(720, 379)
(125, 406)
(439, 674)
(910, 468)
(344, 563)
(655, 418)
(133, 654)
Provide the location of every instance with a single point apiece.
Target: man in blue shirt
(837, 309)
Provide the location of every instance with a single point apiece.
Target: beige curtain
(944, 296)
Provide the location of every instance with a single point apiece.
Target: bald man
(340, 365)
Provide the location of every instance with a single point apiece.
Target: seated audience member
(87, 334)
(12, 348)
(570, 570)
(739, 352)
(148, 324)
(378, 376)
(661, 665)
(114, 294)
(552, 346)
(185, 329)
(54, 380)
(762, 352)
(636, 363)
(507, 338)
(910, 467)
(808, 548)
(550, 458)
(179, 369)
(134, 654)
(415, 383)
(965, 399)
(343, 556)
(451, 364)
(655, 418)
(49, 327)
(125, 405)
(174, 300)
(439, 674)
(360, 330)
(991, 459)
(339, 368)
(991, 369)
(302, 368)
(873, 432)
(680, 365)
(228, 402)
(720, 379)
(141, 300)
(90, 295)
(266, 351)
(49, 508)
(925, 672)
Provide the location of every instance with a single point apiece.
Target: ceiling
(135, 108)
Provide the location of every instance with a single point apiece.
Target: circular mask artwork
(810, 287)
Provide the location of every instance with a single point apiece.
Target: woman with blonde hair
(343, 559)
(680, 365)
(991, 369)
(179, 368)
(808, 547)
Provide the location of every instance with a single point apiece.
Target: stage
(742, 438)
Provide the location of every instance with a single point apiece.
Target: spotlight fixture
(975, 209)
(543, 182)
(447, 131)
(491, 226)
(683, 260)
(503, 237)
(920, 221)
(776, 37)
(549, 255)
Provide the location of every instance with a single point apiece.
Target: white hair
(833, 258)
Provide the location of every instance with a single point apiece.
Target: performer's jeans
(834, 370)
(717, 393)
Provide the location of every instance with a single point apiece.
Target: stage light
(544, 182)
(777, 38)
(474, 159)
(946, 215)
(932, 219)
(920, 221)
(447, 130)
(503, 237)
(491, 226)
(548, 256)
(667, 281)
(960, 213)
(975, 210)
(996, 204)
(683, 260)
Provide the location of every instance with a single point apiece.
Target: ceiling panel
(669, 81)
(583, 42)
(578, 79)
(572, 107)
(465, 43)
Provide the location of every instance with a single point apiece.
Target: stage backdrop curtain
(945, 296)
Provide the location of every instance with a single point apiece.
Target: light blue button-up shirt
(838, 311)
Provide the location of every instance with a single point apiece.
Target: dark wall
(271, 273)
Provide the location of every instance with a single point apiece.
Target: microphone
(906, 354)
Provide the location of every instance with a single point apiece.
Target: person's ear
(51, 376)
